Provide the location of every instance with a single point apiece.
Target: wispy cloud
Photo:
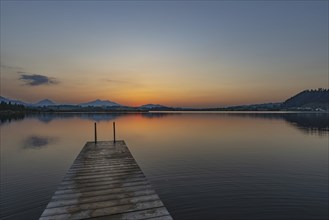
(116, 81)
(36, 79)
(10, 67)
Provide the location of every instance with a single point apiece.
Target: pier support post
(114, 132)
(95, 133)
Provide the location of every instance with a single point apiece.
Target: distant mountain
(255, 107)
(45, 102)
(100, 103)
(154, 107)
(12, 101)
(309, 99)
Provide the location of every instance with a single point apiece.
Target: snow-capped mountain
(100, 103)
(44, 102)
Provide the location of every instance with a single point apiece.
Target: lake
(217, 165)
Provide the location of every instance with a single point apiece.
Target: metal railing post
(95, 133)
(114, 132)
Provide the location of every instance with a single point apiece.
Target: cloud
(36, 79)
(10, 67)
(120, 82)
(115, 81)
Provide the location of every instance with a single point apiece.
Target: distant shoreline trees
(4, 106)
(317, 90)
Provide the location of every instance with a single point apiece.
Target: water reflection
(203, 166)
(47, 117)
(309, 123)
(151, 115)
(100, 117)
(38, 142)
(4, 118)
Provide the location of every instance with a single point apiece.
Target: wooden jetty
(105, 182)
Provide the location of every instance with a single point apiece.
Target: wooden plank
(100, 192)
(85, 214)
(102, 179)
(101, 169)
(99, 204)
(71, 184)
(103, 175)
(155, 213)
(105, 182)
(100, 187)
(99, 183)
(104, 197)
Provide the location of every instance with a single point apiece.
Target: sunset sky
(175, 53)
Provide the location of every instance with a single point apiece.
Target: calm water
(203, 166)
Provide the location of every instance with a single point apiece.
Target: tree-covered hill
(309, 99)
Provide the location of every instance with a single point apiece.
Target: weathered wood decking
(105, 182)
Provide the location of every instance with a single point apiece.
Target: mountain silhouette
(100, 103)
(45, 102)
(309, 99)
